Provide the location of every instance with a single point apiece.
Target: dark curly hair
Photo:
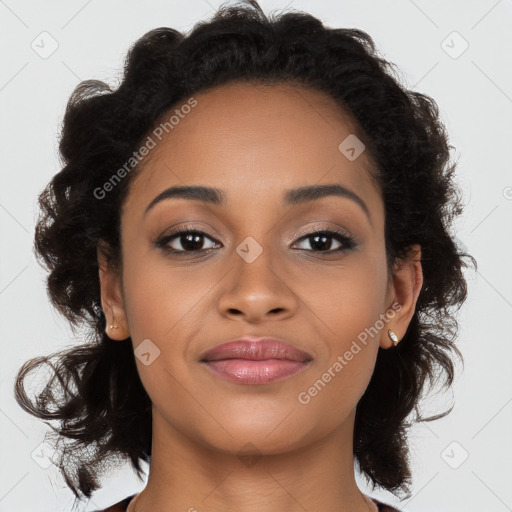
(94, 392)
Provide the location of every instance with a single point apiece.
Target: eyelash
(348, 242)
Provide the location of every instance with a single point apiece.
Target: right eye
(190, 241)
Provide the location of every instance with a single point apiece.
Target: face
(254, 266)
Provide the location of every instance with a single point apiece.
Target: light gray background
(474, 93)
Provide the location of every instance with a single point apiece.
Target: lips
(256, 349)
(255, 361)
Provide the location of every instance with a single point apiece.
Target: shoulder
(383, 507)
(120, 506)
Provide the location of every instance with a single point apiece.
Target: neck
(187, 475)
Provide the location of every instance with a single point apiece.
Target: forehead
(255, 141)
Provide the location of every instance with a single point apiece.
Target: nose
(258, 290)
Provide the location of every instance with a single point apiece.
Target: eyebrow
(291, 197)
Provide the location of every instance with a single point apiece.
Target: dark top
(122, 505)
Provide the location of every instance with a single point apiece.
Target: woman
(254, 227)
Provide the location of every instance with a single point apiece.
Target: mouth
(255, 361)
(245, 371)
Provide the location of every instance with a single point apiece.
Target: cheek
(347, 354)
(349, 317)
(158, 297)
(345, 300)
(165, 305)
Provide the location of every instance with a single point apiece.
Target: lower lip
(248, 371)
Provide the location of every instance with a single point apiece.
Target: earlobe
(112, 303)
(405, 288)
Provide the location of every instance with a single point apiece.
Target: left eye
(320, 240)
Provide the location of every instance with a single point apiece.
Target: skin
(254, 143)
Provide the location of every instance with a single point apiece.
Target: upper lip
(256, 349)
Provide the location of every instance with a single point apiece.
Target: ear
(111, 296)
(404, 289)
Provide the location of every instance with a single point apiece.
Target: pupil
(190, 240)
(315, 244)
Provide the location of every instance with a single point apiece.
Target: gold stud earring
(113, 325)
(394, 337)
